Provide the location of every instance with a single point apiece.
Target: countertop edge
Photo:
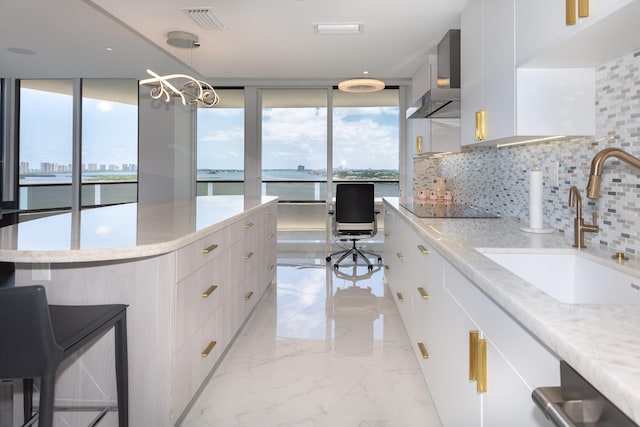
(124, 253)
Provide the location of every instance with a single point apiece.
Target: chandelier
(191, 90)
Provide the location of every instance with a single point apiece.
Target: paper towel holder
(536, 210)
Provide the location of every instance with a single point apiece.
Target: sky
(364, 138)
(110, 130)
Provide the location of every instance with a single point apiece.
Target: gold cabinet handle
(209, 249)
(400, 297)
(570, 14)
(387, 235)
(249, 255)
(400, 256)
(209, 291)
(481, 384)
(207, 350)
(478, 126)
(583, 8)
(473, 355)
(270, 267)
(424, 250)
(423, 293)
(248, 296)
(423, 350)
(270, 236)
(386, 267)
(482, 125)
(248, 226)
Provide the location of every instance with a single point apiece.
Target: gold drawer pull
(209, 291)
(248, 226)
(473, 355)
(400, 256)
(248, 296)
(249, 255)
(387, 235)
(209, 249)
(270, 267)
(207, 350)
(423, 350)
(423, 293)
(270, 236)
(570, 14)
(386, 267)
(424, 250)
(400, 297)
(583, 8)
(481, 384)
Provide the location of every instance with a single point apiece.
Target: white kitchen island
(190, 271)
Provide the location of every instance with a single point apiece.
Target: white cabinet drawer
(199, 295)
(245, 228)
(191, 365)
(193, 256)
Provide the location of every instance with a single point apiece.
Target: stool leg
(47, 391)
(122, 371)
(27, 396)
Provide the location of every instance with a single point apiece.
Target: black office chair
(36, 337)
(354, 218)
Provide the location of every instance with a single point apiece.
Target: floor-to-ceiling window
(294, 144)
(46, 141)
(220, 145)
(366, 139)
(109, 142)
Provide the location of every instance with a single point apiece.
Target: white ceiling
(262, 39)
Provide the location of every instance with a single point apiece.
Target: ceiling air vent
(206, 18)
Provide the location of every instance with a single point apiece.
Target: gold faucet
(579, 227)
(593, 186)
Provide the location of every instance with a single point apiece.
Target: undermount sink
(570, 277)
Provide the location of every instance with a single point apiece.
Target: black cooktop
(438, 209)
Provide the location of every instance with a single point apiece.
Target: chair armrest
(331, 212)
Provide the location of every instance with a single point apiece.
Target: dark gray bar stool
(36, 337)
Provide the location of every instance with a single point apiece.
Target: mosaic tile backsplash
(497, 178)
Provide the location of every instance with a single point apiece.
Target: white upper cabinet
(501, 103)
(544, 39)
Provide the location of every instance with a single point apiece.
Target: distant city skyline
(50, 167)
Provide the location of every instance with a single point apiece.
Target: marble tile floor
(323, 348)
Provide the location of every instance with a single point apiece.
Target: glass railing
(37, 197)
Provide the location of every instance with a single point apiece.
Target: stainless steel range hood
(443, 99)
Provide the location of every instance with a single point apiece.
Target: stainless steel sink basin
(570, 277)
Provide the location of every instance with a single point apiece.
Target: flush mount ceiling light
(338, 28)
(182, 39)
(361, 85)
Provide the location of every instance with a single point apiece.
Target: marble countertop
(600, 341)
(126, 231)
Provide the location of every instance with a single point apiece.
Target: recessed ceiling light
(20, 51)
(338, 28)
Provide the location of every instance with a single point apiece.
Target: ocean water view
(287, 184)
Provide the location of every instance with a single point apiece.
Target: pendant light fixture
(192, 90)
